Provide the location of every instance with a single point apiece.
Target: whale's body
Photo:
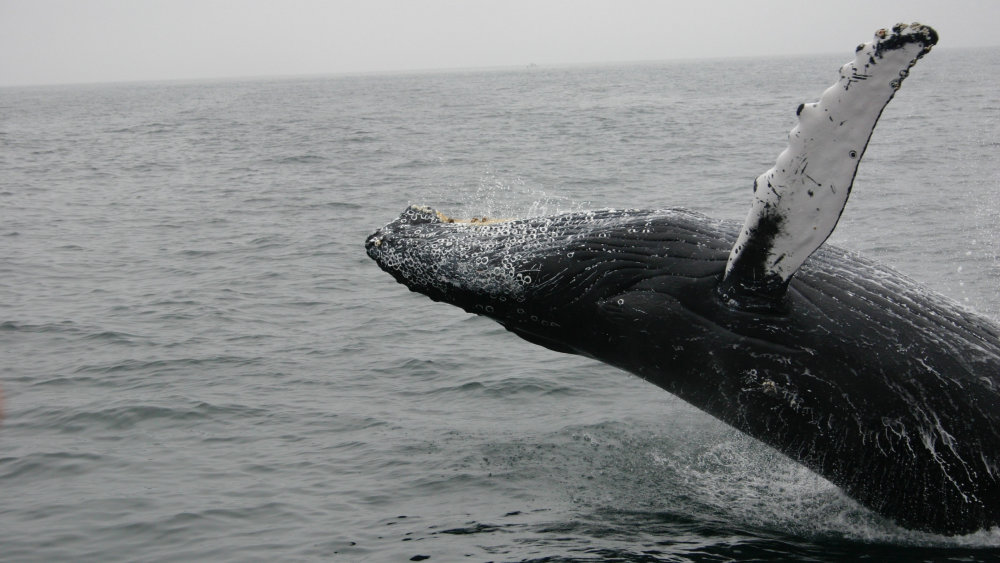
(884, 388)
(889, 391)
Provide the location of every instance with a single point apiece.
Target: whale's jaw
(496, 267)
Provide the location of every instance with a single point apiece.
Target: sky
(79, 41)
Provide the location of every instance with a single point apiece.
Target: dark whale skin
(884, 388)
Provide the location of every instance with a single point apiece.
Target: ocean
(199, 362)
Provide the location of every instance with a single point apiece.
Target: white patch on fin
(798, 202)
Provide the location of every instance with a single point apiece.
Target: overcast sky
(69, 41)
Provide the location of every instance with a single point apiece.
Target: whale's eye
(853, 154)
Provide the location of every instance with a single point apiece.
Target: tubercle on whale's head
(471, 221)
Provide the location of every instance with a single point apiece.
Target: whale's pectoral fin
(797, 203)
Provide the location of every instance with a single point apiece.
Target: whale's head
(556, 280)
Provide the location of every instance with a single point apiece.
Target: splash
(712, 474)
(499, 195)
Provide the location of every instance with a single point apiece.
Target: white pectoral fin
(797, 203)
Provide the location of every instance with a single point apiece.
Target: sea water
(199, 361)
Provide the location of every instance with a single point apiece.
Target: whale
(886, 389)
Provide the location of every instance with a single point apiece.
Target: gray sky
(69, 41)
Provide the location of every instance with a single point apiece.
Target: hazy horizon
(44, 42)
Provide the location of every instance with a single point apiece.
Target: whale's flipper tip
(902, 34)
(797, 203)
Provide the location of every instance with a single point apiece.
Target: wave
(125, 417)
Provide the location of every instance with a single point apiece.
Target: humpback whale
(889, 391)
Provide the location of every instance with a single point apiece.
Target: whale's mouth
(474, 263)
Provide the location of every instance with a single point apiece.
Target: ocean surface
(199, 362)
